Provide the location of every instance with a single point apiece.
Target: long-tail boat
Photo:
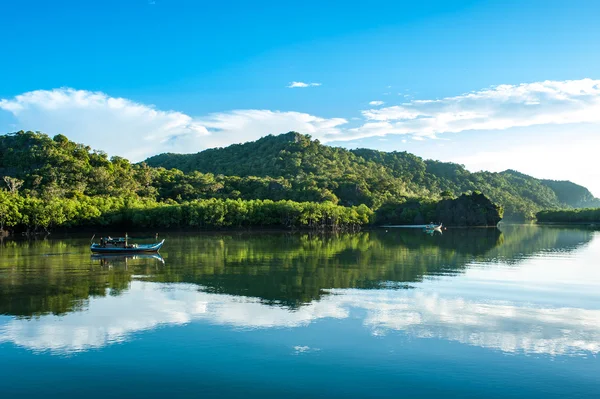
(121, 245)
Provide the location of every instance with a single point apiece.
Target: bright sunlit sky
(492, 85)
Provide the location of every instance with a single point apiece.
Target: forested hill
(286, 167)
(573, 194)
(375, 177)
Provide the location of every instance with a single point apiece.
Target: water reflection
(112, 259)
(477, 287)
(505, 326)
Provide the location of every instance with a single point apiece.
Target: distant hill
(572, 194)
(375, 177)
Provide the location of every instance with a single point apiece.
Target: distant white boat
(430, 226)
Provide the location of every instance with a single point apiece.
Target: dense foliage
(49, 182)
(468, 210)
(37, 214)
(573, 194)
(375, 177)
(590, 215)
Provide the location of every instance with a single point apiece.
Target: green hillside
(375, 177)
(572, 194)
(41, 170)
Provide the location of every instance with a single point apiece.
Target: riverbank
(32, 215)
(586, 216)
(567, 224)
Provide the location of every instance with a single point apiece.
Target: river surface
(472, 313)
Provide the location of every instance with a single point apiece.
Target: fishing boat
(121, 245)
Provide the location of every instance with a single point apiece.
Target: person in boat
(102, 242)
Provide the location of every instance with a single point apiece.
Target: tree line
(47, 179)
(32, 214)
(591, 215)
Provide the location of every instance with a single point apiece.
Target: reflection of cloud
(148, 305)
(304, 349)
(497, 325)
(108, 319)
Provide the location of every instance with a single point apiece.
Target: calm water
(471, 313)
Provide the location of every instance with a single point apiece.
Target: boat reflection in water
(116, 260)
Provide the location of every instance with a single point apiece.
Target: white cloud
(294, 85)
(136, 131)
(123, 127)
(497, 108)
(244, 125)
(116, 125)
(376, 103)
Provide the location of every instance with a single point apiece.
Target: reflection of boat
(432, 232)
(432, 228)
(120, 245)
(117, 257)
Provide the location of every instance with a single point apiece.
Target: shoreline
(591, 224)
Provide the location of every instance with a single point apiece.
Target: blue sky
(186, 75)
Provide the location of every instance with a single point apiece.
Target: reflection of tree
(293, 270)
(519, 242)
(38, 277)
(55, 276)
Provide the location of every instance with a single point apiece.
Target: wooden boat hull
(140, 249)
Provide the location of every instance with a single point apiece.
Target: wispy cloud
(294, 85)
(497, 108)
(123, 127)
(128, 128)
(376, 103)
